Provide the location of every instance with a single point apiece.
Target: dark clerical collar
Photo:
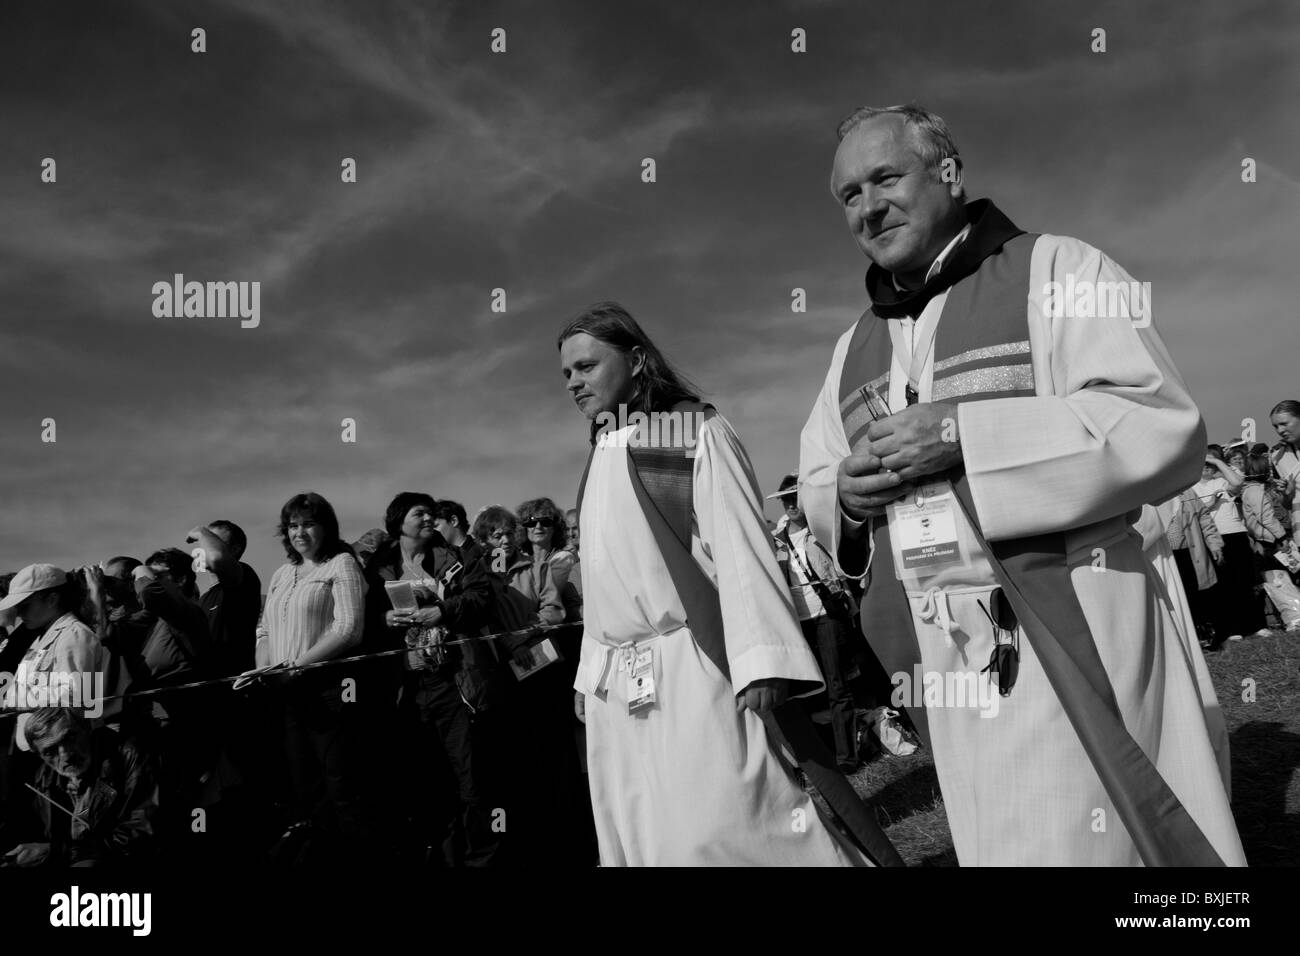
(990, 229)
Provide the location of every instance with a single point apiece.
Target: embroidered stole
(982, 352)
(663, 479)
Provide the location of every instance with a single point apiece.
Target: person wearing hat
(825, 610)
(43, 598)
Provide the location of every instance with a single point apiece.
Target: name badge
(923, 532)
(641, 682)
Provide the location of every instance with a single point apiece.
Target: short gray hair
(44, 723)
(936, 143)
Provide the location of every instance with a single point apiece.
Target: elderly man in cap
(825, 609)
(43, 597)
(986, 434)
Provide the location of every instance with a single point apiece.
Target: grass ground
(1264, 734)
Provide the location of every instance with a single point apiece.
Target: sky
(522, 171)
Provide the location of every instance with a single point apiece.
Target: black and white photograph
(555, 437)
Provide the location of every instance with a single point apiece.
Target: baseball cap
(32, 580)
(789, 486)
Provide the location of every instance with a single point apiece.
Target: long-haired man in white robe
(684, 775)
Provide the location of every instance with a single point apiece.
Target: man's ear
(953, 176)
(637, 359)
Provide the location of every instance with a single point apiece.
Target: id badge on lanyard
(640, 680)
(926, 534)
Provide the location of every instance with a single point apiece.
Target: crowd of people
(1236, 538)
(339, 715)
(959, 487)
(373, 717)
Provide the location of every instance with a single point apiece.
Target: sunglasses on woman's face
(540, 523)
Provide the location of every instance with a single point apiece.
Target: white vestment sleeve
(822, 446)
(763, 635)
(1111, 428)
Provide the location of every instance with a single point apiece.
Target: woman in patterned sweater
(314, 613)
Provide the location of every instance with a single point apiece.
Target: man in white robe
(1098, 423)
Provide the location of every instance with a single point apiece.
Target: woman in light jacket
(1196, 544)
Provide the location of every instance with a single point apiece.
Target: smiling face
(599, 377)
(900, 213)
(306, 535)
(540, 530)
(419, 524)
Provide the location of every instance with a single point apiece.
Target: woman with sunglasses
(545, 536)
(499, 531)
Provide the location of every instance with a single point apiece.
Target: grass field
(1265, 745)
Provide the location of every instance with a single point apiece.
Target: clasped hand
(920, 440)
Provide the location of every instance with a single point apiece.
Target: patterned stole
(663, 481)
(982, 352)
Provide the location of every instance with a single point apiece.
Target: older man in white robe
(1030, 421)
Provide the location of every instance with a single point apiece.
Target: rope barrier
(255, 675)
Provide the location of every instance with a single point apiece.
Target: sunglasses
(1005, 659)
(539, 523)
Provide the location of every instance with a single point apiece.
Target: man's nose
(873, 205)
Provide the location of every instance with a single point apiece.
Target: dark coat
(116, 805)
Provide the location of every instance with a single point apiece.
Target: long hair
(313, 506)
(659, 385)
(1289, 406)
(543, 508)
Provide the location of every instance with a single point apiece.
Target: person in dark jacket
(446, 689)
(97, 793)
(164, 642)
(547, 801)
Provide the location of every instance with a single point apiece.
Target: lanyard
(923, 332)
(811, 578)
